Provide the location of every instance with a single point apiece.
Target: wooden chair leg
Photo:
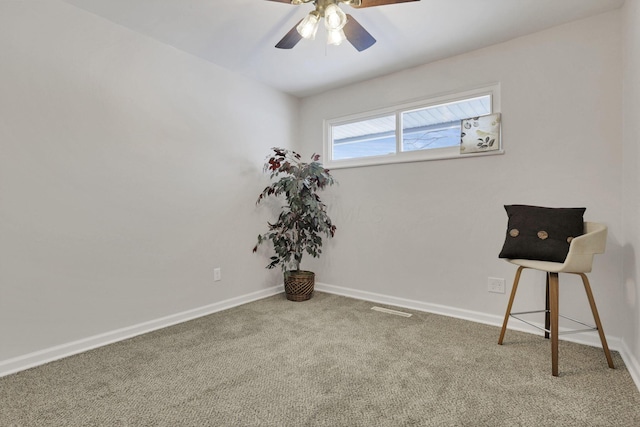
(547, 314)
(511, 298)
(554, 304)
(596, 317)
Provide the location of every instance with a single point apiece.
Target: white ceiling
(240, 34)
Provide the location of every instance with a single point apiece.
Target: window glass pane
(438, 126)
(371, 137)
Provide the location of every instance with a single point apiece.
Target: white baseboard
(591, 339)
(631, 363)
(47, 355)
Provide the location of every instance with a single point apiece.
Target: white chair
(579, 261)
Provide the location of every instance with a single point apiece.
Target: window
(364, 138)
(423, 130)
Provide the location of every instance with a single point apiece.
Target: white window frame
(399, 156)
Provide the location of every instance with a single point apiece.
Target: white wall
(631, 171)
(431, 231)
(128, 171)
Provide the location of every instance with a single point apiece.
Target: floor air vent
(389, 311)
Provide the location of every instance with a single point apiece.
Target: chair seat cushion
(540, 233)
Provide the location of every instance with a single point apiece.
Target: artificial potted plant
(303, 218)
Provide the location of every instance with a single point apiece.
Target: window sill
(391, 159)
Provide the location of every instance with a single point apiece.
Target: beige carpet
(330, 361)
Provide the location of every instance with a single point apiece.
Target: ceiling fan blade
(357, 35)
(290, 39)
(371, 3)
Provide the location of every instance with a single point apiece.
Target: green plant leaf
(303, 218)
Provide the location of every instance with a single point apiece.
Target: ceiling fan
(340, 26)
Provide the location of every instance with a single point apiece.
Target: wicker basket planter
(298, 284)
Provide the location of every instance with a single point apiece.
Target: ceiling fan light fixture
(309, 25)
(334, 17)
(336, 37)
(339, 25)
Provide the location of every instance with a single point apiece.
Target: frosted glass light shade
(334, 17)
(335, 37)
(308, 27)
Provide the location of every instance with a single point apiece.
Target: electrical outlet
(496, 285)
(217, 274)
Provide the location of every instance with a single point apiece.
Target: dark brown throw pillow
(539, 233)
